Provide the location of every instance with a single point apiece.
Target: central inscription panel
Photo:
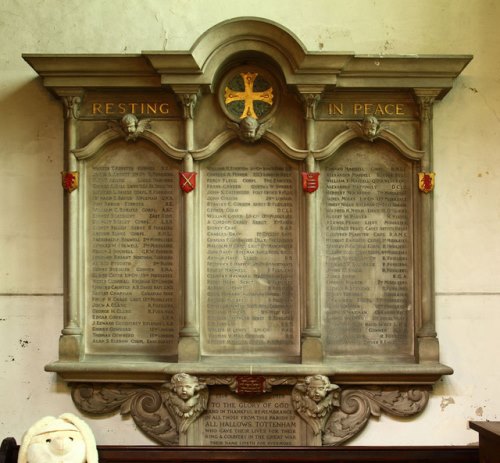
(250, 292)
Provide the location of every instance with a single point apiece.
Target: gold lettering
(389, 108)
(366, 109)
(134, 108)
(358, 107)
(334, 109)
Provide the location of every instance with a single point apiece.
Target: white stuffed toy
(66, 439)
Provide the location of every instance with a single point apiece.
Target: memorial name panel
(132, 261)
(250, 302)
(239, 421)
(367, 265)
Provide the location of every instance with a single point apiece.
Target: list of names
(250, 269)
(367, 260)
(133, 256)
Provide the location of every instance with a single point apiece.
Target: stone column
(189, 342)
(428, 344)
(312, 348)
(70, 340)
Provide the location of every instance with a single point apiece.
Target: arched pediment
(252, 34)
(246, 38)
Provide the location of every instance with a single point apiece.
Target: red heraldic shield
(310, 181)
(69, 181)
(426, 181)
(187, 181)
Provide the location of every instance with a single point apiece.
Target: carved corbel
(186, 399)
(310, 96)
(188, 101)
(310, 102)
(72, 105)
(314, 399)
(161, 412)
(358, 405)
(188, 97)
(337, 415)
(425, 99)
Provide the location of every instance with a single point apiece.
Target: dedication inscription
(133, 252)
(250, 421)
(251, 236)
(367, 230)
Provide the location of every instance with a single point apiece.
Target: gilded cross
(248, 95)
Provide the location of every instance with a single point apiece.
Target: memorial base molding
(250, 410)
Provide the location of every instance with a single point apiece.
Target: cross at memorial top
(255, 90)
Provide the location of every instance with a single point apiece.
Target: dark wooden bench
(140, 454)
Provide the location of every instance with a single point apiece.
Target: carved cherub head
(129, 124)
(317, 387)
(371, 127)
(66, 439)
(185, 386)
(248, 129)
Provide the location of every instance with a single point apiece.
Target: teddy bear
(66, 439)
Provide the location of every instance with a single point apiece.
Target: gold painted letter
(334, 109)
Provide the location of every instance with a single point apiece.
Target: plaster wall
(467, 195)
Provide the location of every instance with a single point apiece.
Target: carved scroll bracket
(162, 412)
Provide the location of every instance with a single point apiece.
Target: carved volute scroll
(249, 236)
